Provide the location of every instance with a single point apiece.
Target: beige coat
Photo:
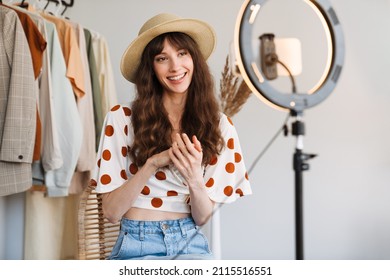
(18, 99)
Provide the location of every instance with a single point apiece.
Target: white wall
(347, 189)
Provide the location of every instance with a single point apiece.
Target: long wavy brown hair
(152, 128)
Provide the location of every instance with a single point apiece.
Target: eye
(183, 52)
(160, 58)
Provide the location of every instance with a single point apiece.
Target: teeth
(176, 78)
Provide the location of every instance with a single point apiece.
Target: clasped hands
(185, 155)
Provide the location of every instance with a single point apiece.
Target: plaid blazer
(18, 99)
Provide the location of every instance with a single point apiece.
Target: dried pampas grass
(234, 92)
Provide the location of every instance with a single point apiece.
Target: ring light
(296, 102)
(254, 77)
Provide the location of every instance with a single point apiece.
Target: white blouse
(225, 177)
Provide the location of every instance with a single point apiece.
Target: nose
(174, 64)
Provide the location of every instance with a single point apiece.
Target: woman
(166, 160)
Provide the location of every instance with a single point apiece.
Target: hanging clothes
(67, 118)
(62, 132)
(85, 163)
(71, 52)
(50, 157)
(51, 219)
(74, 77)
(104, 69)
(37, 45)
(97, 96)
(18, 95)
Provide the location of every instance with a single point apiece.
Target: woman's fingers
(186, 151)
(187, 156)
(197, 144)
(182, 142)
(194, 147)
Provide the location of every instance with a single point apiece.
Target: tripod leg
(298, 164)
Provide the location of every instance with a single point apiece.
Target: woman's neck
(174, 101)
(174, 105)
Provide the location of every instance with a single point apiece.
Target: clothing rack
(38, 185)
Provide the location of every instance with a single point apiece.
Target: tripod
(299, 165)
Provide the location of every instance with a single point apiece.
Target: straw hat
(202, 33)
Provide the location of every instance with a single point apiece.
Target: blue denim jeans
(169, 239)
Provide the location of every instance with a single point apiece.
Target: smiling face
(173, 68)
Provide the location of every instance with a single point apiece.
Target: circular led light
(254, 77)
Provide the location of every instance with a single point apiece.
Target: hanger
(70, 4)
(23, 5)
(48, 2)
(66, 6)
(57, 12)
(62, 4)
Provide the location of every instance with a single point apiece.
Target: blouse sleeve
(111, 166)
(226, 177)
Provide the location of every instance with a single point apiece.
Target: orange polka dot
(124, 151)
(237, 157)
(210, 183)
(229, 167)
(230, 143)
(106, 155)
(172, 193)
(99, 162)
(109, 131)
(157, 202)
(123, 174)
(126, 130)
(239, 191)
(145, 190)
(93, 183)
(116, 107)
(230, 120)
(213, 160)
(127, 111)
(161, 176)
(105, 179)
(246, 176)
(228, 190)
(133, 168)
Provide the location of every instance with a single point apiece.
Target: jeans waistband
(158, 227)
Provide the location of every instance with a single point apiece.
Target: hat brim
(202, 33)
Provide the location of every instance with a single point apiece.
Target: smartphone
(268, 57)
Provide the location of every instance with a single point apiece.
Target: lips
(176, 78)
